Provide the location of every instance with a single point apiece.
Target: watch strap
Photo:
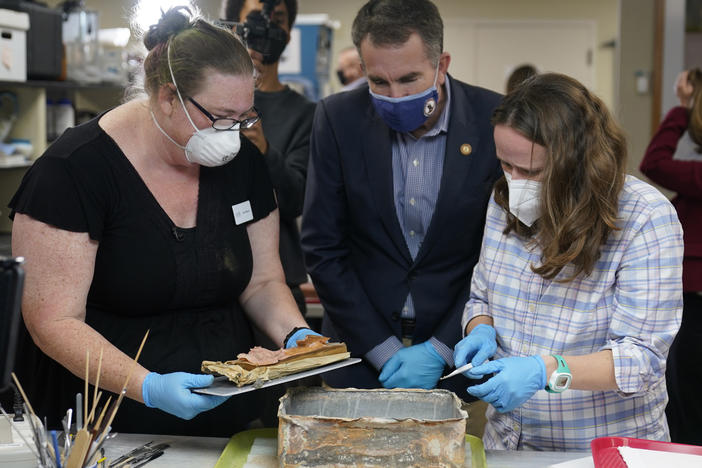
(562, 367)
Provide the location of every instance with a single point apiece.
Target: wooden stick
(87, 378)
(24, 395)
(109, 411)
(81, 444)
(97, 384)
(124, 388)
(102, 414)
(92, 411)
(94, 434)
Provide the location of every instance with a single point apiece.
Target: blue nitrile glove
(516, 380)
(299, 335)
(478, 347)
(418, 366)
(171, 393)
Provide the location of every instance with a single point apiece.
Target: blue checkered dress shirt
(631, 304)
(417, 167)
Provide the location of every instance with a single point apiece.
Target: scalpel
(460, 370)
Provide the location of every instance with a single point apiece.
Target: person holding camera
(155, 216)
(673, 160)
(283, 134)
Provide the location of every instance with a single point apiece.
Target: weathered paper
(242, 376)
(310, 353)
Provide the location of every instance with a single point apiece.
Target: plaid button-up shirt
(631, 304)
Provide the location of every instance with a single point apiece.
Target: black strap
(292, 332)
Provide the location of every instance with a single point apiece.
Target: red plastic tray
(606, 455)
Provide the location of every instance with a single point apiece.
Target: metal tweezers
(144, 461)
(140, 455)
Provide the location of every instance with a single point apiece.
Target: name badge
(242, 212)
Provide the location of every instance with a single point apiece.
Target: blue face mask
(407, 113)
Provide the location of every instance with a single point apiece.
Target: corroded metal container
(371, 428)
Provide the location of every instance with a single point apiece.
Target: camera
(261, 35)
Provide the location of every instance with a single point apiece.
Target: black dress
(182, 284)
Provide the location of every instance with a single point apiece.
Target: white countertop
(203, 452)
(529, 459)
(184, 451)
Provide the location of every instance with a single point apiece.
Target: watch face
(560, 382)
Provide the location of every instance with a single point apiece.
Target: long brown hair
(694, 128)
(583, 175)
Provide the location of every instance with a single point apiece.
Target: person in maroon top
(674, 160)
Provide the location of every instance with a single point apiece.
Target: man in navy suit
(399, 178)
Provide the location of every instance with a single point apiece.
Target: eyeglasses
(226, 123)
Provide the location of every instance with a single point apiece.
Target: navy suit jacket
(354, 249)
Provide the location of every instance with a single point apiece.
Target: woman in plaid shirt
(577, 294)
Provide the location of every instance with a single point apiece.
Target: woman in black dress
(154, 216)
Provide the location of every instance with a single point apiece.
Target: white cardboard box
(13, 45)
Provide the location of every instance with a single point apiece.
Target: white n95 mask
(524, 199)
(209, 147)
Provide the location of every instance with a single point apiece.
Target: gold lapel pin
(466, 149)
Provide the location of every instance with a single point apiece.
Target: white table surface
(184, 451)
(529, 459)
(203, 452)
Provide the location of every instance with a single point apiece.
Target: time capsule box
(322, 427)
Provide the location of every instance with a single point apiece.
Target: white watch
(561, 378)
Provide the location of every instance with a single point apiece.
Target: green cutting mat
(477, 451)
(237, 450)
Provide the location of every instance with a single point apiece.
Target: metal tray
(224, 387)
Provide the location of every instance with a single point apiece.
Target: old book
(261, 364)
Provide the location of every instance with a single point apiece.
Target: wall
(603, 12)
(635, 40)
(115, 13)
(673, 51)
(636, 53)
(693, 49)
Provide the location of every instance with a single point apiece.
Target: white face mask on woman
(524, 199)
(208, 147)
